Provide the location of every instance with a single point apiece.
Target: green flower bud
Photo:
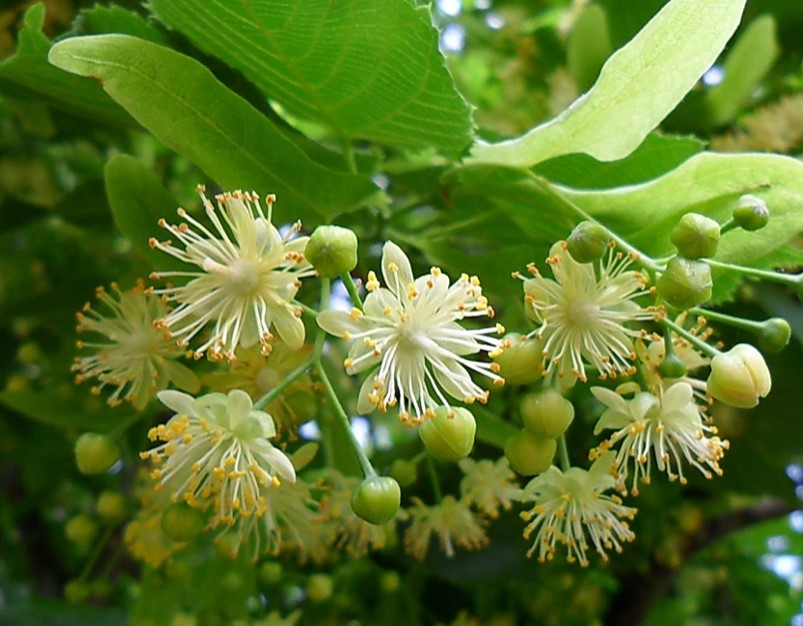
(111, 506)
(739, 377)
(588, 242)
(672, 366)
(332, 250)
(449, 436)
(376, 500)
(271, 573)
(521, 360)
(404, 472)
(76, 591)
(546, 413)
(751, 213)
(95, 453)
(81, 529)
(389, 581)
(774, 335)
(320, 587)
(529, 454)
(695, 236)
(181, 522)
(685, 283)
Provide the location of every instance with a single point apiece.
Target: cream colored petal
(289, 327)
(364, 405)
(392, 255)
(181, 403)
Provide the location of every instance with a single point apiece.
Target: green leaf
(366, 69)
(114, 19)
(28, 74)
(191, 112)
(745, 66)
(588, 47)
(637, 88)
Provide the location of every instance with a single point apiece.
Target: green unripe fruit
(521, 360)
(111, 506)
(739, 377)
(546, 413)
(685, 283)
(529, 454)
(181, 522)
(751, 213)
(449, 436)
(95, 453)
(376, 500)
(774, 335)
(81, 529)
(695, 236)
(672, 366)
(332, 250)
(588, 242)
(320, 587)
(271, 573)
(404, 472)
(76, 591)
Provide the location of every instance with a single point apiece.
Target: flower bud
(271, 573)
(685, 283)
(672, 366)
(76, 591)
(376, 500)
(588, 242)
(404, 472)
(81, 529)
(95, 453)
(521, 360)
(546, 413)
(332, 250)
(739, 377)
(181, 522)
(320, 587)
(111, 506)
(449, 436)
(774, 335)
(751, 213)
(695, 236)
(529, 454)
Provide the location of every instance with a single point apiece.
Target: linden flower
(410, 330)
(584, 315)
(137, 359)
(452, 521)
(216, 453)
(668, 427)
(572, 508)
(488, 485)
(247, 280)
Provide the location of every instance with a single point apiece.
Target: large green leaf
(190, 111)
(637, 88)
(367, 69)
(28, 74)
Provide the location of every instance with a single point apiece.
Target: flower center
(582, 312)
(243, 277)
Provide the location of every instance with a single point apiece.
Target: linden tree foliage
(304, 447)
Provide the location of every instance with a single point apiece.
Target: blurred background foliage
(722, 552)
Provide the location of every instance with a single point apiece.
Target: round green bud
(332, 250)
(320, 587)
(739, 377)
(588, 242)
(449, 436)
(529, 454)
(672, 366)
(390, 581)
(181, 522)
(76, 591)
(271, 573)
(404, 472)
(81, 529)
(376, 500)
(521, 359)
(751, 213)
(111, 506)
(95, 453)
(685, 283)
(546, 413)
(695, 236)
(774, 335)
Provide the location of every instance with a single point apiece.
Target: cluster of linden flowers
(416, 341)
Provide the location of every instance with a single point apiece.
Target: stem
(348, 155)
(736, 322)
(306, 310)
(433, 478)
(90, 564)
(563, 453)
(777, 277)
(728, 226)
(286, 382)
(348, 281)
(692, 339)
(365, 464)
(320, 335)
